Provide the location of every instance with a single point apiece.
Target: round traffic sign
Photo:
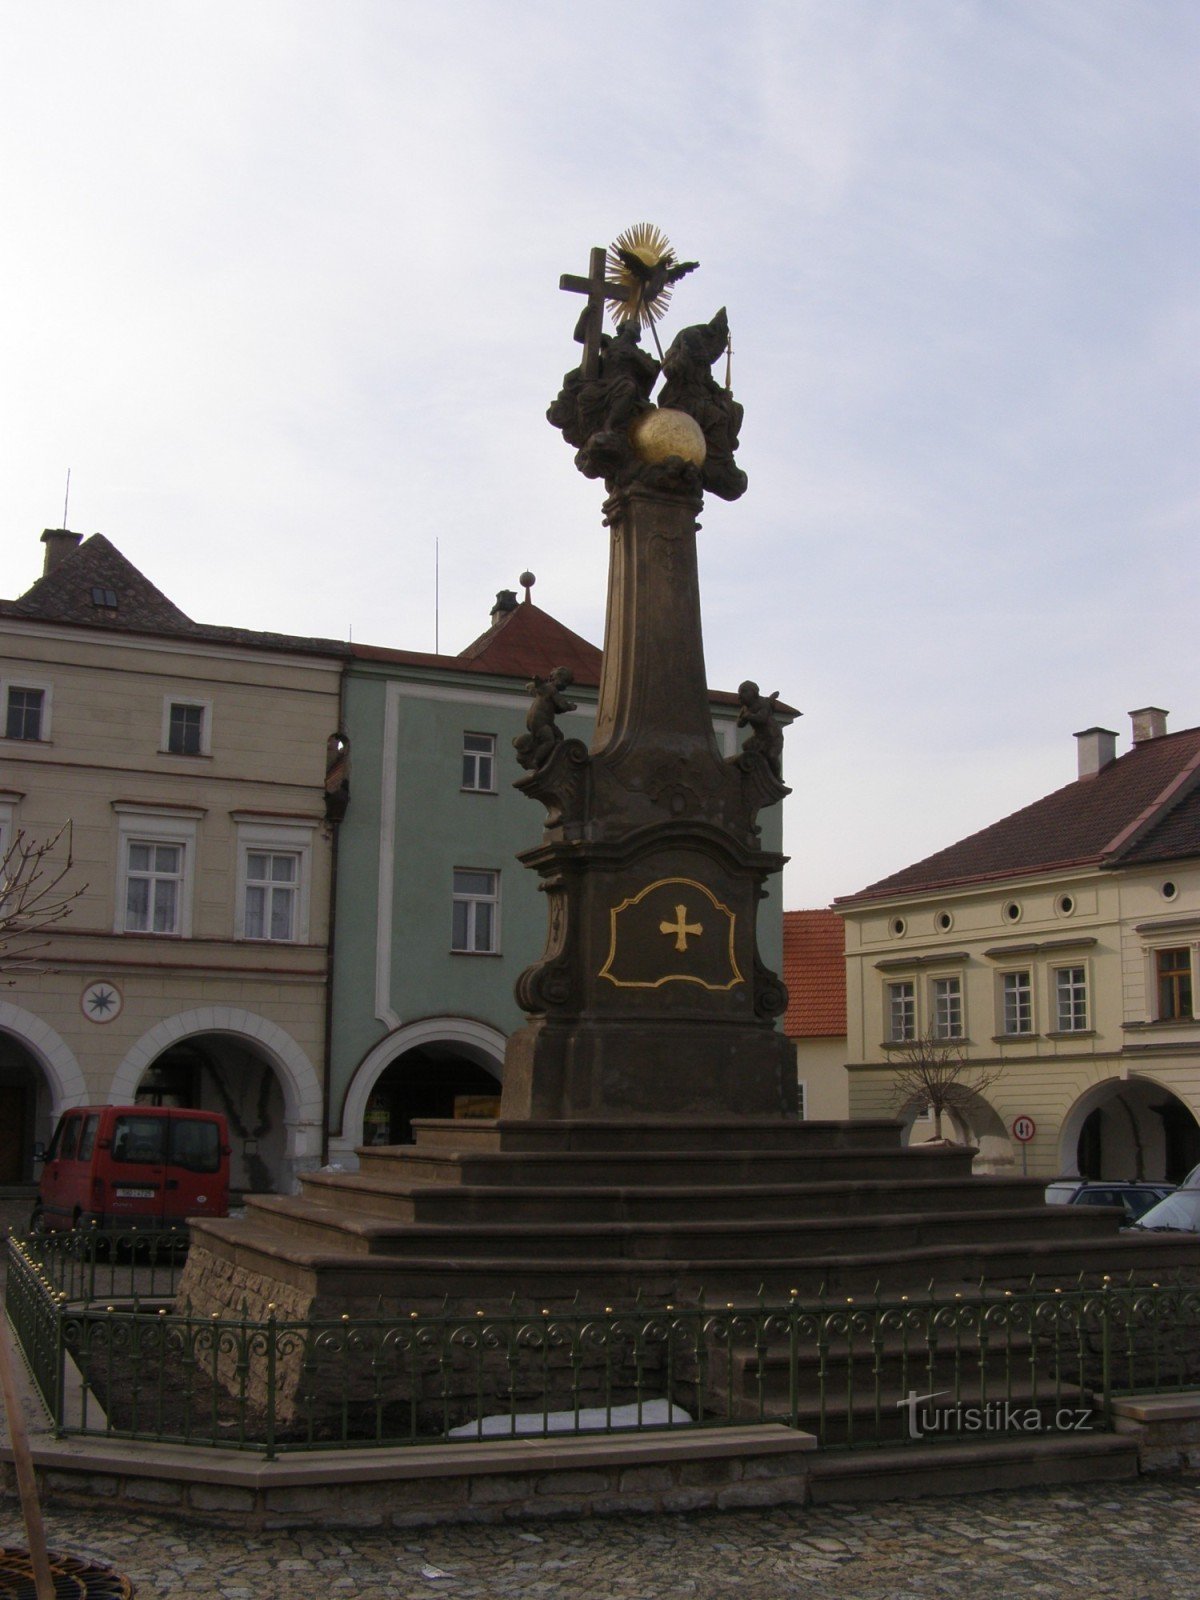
(1023, 1129)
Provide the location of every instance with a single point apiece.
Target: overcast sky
(279, 286)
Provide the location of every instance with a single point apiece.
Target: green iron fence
(854, 1371)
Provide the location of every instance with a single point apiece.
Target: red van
(140, 1166)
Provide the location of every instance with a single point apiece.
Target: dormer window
(105, 599)
(25, 713)
(186, 727)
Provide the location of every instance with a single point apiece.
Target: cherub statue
(766, 721)
(535, 747)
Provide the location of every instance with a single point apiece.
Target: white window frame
(1002, 980)
(959, 991)
(141, 824)
(205, 707)
(1056, 973)
(9, 801)
(270, 836)
(8, 816)
(802, 1097)
(475, 756)
(47, 690)
(890, 998)
(471, 900)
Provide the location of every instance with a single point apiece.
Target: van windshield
(195, 1145)
(139, 1138)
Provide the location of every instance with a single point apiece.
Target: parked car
(1178, 1213)
(144, 1166)
(1134, 1198)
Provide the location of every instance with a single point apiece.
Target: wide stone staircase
(484, 1219)
(475, 1213)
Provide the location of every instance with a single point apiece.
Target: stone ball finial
(527, 581)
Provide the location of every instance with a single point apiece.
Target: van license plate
(135, 1194)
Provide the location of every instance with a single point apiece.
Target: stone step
(472, 1203)
(912, 1471)
(660, 1168)
(897, 1414)
(661, 1133)
(547, 1238)
(334, 1282)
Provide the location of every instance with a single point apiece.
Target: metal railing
(852, 1370)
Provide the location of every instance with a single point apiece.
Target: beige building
(1059, 949)
(189, 762)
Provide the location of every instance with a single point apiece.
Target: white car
(1178, 1213)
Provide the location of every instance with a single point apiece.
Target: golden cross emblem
(681, 927)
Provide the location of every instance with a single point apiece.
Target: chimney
(1148, 723)
(506, 601)
(60, 543)
(1096, 748)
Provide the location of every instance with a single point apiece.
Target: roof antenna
(436, 576)
(67, 499)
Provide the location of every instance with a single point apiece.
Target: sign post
(1023, 1130)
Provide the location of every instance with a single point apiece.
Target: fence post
(58, 1303)
(1106, 1348)
(270, 1352)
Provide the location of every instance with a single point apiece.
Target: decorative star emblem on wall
(101, 1001)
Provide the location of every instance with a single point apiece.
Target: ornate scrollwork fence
(110, 1359)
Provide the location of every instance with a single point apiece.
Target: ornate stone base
(681, 1069)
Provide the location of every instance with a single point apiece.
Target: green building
(435, 916)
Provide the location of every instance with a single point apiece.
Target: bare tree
(933, 1072)
(33, 896)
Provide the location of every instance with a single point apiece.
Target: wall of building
(398, 985)
(821, 1069)
(1125, 1066)
(107, 1004)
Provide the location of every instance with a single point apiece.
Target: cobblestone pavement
(1138, 1541)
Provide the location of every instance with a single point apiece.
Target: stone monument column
(650, 999)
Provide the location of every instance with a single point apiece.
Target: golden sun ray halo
(649, 298)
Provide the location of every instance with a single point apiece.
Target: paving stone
(1128, 1541)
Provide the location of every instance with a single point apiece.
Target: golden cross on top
(681, 927)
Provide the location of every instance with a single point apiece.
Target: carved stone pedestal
(650, 997)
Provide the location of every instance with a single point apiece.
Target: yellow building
(1059, 950)
(189, 762)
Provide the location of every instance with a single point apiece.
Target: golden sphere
(660, 433)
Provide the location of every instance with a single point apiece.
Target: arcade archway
(435, 1067)
(39, 1079)
(433, 1080)
(1130, 1128)
(221, 1059)
(974, 1122)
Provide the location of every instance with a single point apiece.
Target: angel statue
(763, 715)
(535, 746)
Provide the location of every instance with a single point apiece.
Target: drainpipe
(331, 944)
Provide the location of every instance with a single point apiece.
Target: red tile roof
(1141, 807)
(522, 642)
(814, 969)
(526, 640)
